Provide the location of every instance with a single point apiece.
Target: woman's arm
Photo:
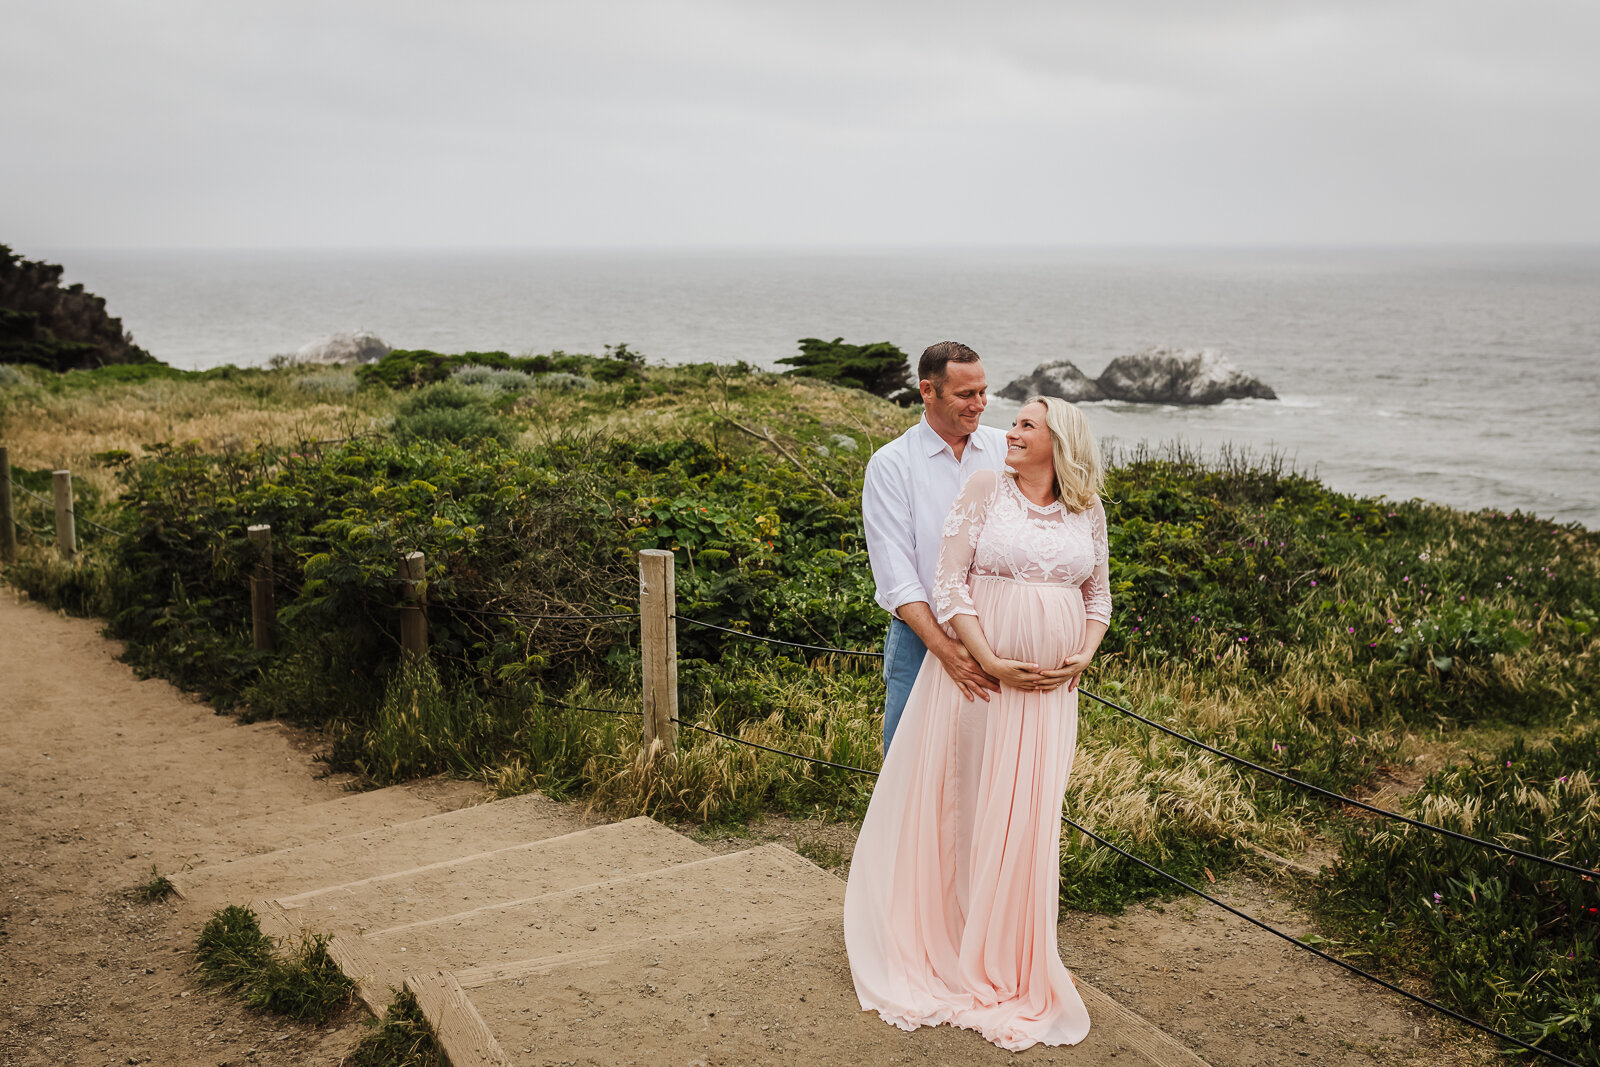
(1094, 631)
(1096, 604)
(1012, 672)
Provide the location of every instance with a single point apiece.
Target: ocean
(1466, 376)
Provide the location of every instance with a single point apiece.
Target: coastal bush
(881, 369)
(448, 412)
(411, 367)
(333, 383)
(490, 380)
(1509, 942)
(562, 380)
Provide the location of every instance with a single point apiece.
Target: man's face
(953, 408)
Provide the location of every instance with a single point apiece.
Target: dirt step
(517, 872)
(377, 851)
(763, 886)
(735, 994)
(350, 814)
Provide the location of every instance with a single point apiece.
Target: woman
(950, 912)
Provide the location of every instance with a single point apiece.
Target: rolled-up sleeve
(891, 536)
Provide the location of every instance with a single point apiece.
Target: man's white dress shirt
(910, 484)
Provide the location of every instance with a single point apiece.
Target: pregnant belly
(1037, 623)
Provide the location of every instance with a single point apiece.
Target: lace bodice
(992, 530)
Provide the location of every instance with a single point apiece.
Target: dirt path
(106, 775)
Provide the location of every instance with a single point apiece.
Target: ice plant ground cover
(1333, 636)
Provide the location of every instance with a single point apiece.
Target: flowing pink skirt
(950, 912)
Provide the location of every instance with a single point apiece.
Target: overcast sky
(690, 122)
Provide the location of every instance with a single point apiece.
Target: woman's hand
(1019, 674)
(1071, 668)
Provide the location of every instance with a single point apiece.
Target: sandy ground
(106, 776)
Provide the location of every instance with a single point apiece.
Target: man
(910, 484)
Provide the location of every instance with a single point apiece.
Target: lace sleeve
(1097, 587)
(951, 594)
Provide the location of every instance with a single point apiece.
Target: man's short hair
(938, 357)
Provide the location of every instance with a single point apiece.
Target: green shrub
(880, 369)
(448, 412)
(232, 952)
(492, 381)
(402, 1038)
(306, 986)
(233, 955)
(157, 889)
(411, 367)
(1513, 943)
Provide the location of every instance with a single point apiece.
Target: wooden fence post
(66, 526)
(8, 529)
(659, 646)
(414, 616)
(263, 615)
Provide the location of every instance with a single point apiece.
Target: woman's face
(1028, 447)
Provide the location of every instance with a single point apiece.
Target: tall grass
(1513, 943)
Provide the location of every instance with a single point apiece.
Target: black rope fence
(1329, 794)
(540, 618)
(777, 751)
(777, 641)
(582, 707)
(1352, 968)
(70, 511)
(1342, 799)
(1230, 909)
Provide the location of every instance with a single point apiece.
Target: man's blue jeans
(903, 651)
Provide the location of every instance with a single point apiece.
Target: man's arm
(958, 662)
(886, 520)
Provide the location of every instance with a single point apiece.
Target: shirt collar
(933, 444)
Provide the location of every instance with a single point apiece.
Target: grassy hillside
(1334, 636)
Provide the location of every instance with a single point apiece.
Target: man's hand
(973, 681)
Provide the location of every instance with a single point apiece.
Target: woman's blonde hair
(1079, 474)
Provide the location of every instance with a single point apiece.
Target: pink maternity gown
(950, 912)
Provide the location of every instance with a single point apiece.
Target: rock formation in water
(60, 328)
(1179, 376)
(359, 347)
(1155, 376)
(1058, 378)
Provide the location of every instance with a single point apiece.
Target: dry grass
(65, 429)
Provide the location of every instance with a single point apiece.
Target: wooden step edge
(377, 976)
(473, 977)
(1134, 1032)
(620, 880)
(190, 884)
(461, 1032)
(297, 899)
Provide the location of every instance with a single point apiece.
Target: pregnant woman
(950, 912)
